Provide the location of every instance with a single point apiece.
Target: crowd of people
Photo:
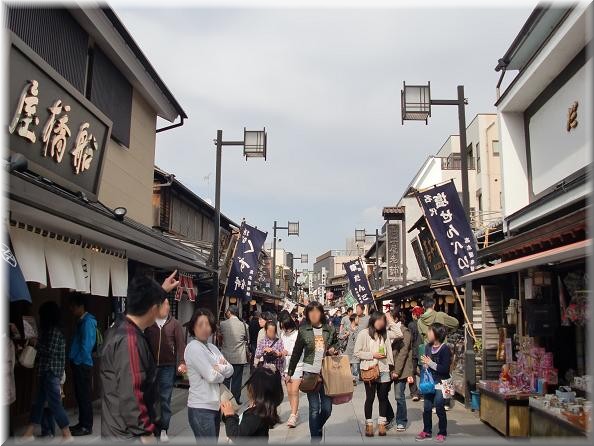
(143, 353)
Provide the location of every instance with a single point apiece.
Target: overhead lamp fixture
(254, 143)
(119, 213)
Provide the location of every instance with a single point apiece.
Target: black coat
(128, 381)
(415, 340)
(251, 428)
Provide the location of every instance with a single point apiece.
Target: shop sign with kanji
(359, 285)
(60, 132)
(243, 273)
(446, 218)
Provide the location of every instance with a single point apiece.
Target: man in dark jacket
(402, 372)
(167, 342)
(415, 342)
(81, 363)
(128, 371)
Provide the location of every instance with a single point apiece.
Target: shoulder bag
(248, 352)
(27, 356)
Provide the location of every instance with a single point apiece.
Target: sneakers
(447, 408)
(415, 398)
(292, 421)
(440, 439)
(400, 428)
(434, 410)
(391, 425)
(164, 438)
(423, 436)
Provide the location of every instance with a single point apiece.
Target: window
(496, 147)
(478, 158)
(112, 94)
(56, 37)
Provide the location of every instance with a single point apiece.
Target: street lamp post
(292, 229)
(416, 105)
(360, 236)
(254, 146)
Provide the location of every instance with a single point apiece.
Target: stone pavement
(345, 426)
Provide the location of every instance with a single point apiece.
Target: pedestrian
(81, 363)
(264, 317)
(402, 372)
(437, 360)
(345, 322)
(363, 320)
(429, 318)
(167, 341)
(128, 371)
(235, 349)
(270, 350)
(373, 347)
(207, 369)
(316, 338)
(51, 359)
(337, 319)
(416, 340)
(351, 336)
(265, 394)
(288, 336)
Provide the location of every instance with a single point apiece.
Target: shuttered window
(111, 92)
(56, 37)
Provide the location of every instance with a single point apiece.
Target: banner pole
(229, 271)
(468, 323)
(368, 284)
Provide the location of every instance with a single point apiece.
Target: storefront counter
(545, 422)
(507, 413)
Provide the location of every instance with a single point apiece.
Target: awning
(421, 286)
(47, 206)
(562, 254)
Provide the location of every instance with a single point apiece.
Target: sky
(326, 85)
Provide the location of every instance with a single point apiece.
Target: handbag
(248, 351)
(27, 356)
(310, 382)
(426, 384)
(371, 374)
(271, 357)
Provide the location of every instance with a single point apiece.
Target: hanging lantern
(413, 303)
(232, 300)
(401, 304)
(450, 299)
(441, 301)
(407, 304)
(253, 302)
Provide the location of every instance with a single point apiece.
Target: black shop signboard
(60, 132)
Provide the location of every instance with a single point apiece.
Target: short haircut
(201, 312)
(439, 331)
(49, 317)
(286, 322)
(143, 293)
(318, 306)
(256, 314)
(269, 324)
(352, 317)
(78, 300)
(349, 309)
(233, 310)
(429, 302)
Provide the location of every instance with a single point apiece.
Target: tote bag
(427, 384)
(337, 376)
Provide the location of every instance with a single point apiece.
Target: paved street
(345, 426)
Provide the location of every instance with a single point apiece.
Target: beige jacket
(363, 348)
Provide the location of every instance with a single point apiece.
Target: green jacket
(431, 317)
(305, 344)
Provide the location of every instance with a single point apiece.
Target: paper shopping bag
(337, 376)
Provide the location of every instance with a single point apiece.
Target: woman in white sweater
(207, 369)
(374, 348)
(288, 335)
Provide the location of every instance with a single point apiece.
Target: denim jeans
(355, 369)
(81, 375)
(205, 423)
(48, 423)
(166, 379)
(435, 399)
(49, 391)
(401, 413)
(320, 409)
(234, 383)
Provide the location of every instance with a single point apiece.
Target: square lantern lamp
(304, 258)
(293, 228)
(415, 102)
(254, 143)
(360, 235)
